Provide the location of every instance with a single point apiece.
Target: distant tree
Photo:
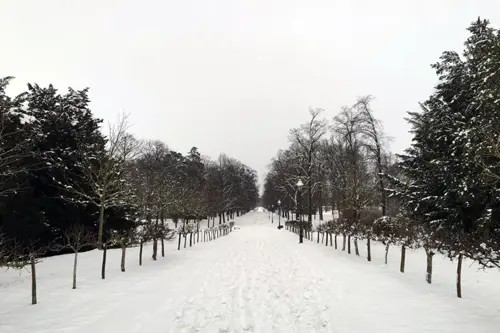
(307, 139)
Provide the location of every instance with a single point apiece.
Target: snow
(256, 279)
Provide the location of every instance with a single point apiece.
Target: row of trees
(441, 194)
(65, 185)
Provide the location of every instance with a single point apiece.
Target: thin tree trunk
(321, 205)
(124, 249)
(459, 275)
(326, 243)
(190, 239)
(318, 237)
(343, 242)
(368, 249)
(101, 225)
(403, 259)
(428, 272)
(179, 244)
(335, 241)
(140, 252)
(387, 251)
(349, 244)
(185, 240)
(162, 240)
(103, 267)
(33, 280)
(75, 262)
(322, 237)
(331, 239)
(356, 248)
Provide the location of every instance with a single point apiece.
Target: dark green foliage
(449, 191)
(58, 129)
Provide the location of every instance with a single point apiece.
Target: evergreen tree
(448, 189)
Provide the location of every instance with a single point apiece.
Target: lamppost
(279, 214)
(299, 215)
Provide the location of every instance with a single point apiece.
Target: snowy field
(257, 279)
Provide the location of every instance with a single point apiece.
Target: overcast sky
(234, 76)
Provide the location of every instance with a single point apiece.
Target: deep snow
(257, 279)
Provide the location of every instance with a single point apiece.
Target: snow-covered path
(257, 279)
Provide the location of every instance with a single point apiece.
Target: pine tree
(448, 191)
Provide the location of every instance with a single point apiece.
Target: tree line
(441, 194)
(67, 186)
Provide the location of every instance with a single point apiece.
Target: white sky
(234, 76)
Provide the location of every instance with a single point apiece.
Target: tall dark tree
(448, 190)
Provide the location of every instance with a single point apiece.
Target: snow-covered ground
(257, 279)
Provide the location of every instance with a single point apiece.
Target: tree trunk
(223, 218)
(322, 237)
(349, 244)
(428, 274)
(185, 240)
(75, 262)
(33, 279)
(124, 249)
(368, 249)
(356, 248)
(101, 225)
(190, 239)
(331, 239)
(220, 218)
(335, 241)
(403, 259)
(140, 252)
(179, 244)
(343, 242)
(320, 204)
(155, 248)
(318, 237)
(103, 267)
(459, 276)
(309, 192)
(162, 240)
(326, 243)
(387, 251)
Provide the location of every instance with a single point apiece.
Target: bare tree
(103, 174)
(307, 138)
(76, 237)
(19, 255)
(357, 193)
(144, 234)
(124, 238)
(371, 128)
